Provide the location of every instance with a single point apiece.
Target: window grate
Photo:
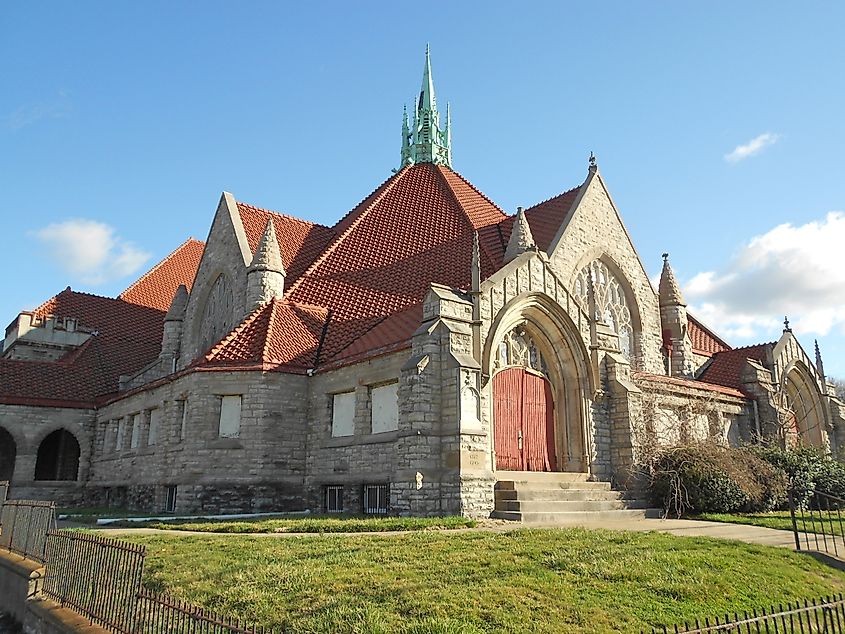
(376, 499)
(334, 498)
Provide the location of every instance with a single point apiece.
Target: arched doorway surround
(546, 383)
(8, 454)
(58, 457)
(803, 410)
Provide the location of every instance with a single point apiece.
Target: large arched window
(8, 453)
(611, 304)
(216, 319)
(58, 457)
(802, 410)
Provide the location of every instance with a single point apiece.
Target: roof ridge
(282, 214)
(385, 187)
(268, 333)
(748, 347)
(248, 321)
(159, 264)
(551, 198)
(709, 331)
(476, 190)
(465, 214)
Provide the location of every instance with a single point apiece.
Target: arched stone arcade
(58, 457)
(539, 388)
(8, 454)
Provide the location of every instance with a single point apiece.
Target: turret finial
(592, 162)
(786, 327)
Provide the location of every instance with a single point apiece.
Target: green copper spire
(425, 141)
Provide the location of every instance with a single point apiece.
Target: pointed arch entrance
(540, 386)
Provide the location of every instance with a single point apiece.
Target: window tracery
(518, 348)
(217, 313)
(611, 304)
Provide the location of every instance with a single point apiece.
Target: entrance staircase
(564, 498)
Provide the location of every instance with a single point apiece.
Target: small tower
(675, 324)
(266, 274)
(521, 239)
(425, 141)
(172, 337)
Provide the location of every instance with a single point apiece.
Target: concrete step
(564, 494)
(542, 476)
(514, 485)
(556, 506)
(575, 517)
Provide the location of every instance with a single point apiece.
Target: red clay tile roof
(278, 335)
(725, 368)
(704, 340)
(156, 288)
(128, 337)
(690, 383)
(414, 229)
(300, 241)
(546, 218)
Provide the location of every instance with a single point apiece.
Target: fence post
(794, 522)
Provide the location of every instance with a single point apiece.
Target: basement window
(170, 499)
(334, 498)
(376, 499)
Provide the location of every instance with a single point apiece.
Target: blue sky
(717, 127)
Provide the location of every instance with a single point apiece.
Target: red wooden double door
(523, 421)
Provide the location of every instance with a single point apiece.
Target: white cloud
(27, 115)
(754, 146)
(790, 270)
(90, 252)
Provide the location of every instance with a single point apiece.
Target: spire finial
(786, 327)
(592, 162)
(427, 141)
(669, 290)
(819, 364)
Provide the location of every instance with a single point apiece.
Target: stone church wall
(260, 469)
(361, 458)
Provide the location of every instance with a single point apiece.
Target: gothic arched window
(519, 349)
(611, 305)
(217, 314)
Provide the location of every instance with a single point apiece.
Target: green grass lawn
(776, 519)
(316, 524)
(537, 581)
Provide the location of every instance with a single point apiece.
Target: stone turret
(675, 324)
(172, 338)
(266, 274)
(521, 239)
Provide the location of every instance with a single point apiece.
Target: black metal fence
(818, 525)
(95, 576)
(826, 615)
(25, 525)
(159, 613)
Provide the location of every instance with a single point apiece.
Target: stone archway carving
(539, 336)
(802, 408)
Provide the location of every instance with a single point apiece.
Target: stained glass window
(611, 304)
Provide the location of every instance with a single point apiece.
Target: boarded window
(170, 499)
(230, 417)
(385, 408)
(155, 425)
(343, 414)
(334, 498)
(121, 433)
(136, 431)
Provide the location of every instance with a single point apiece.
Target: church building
(422, 356)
